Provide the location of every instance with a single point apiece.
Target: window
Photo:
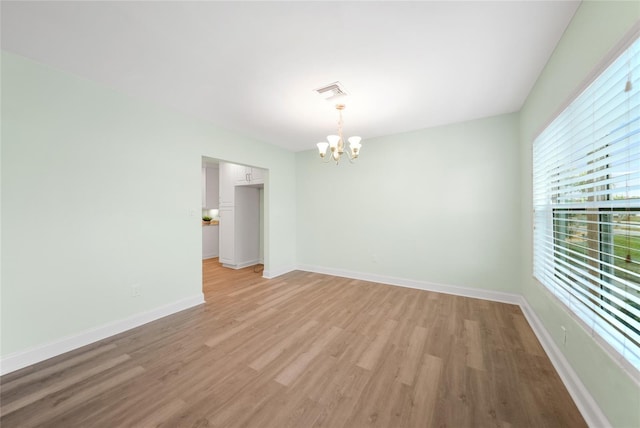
(586, 198)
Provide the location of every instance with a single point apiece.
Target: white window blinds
(586, 197)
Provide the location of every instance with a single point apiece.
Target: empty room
(320, 214)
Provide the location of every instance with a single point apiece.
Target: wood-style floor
(303, 350)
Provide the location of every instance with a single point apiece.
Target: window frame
(605, 257)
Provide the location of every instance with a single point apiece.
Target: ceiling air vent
(332, 91)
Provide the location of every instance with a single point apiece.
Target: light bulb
(333, 141)
(355, 140)
(322, 148)
(354, 145)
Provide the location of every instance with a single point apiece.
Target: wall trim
(585, 402)
(21, 359)
(496, 296)
(242, 265)
(273, 273)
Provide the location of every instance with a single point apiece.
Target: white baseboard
(591, 412)
(242, 265)
(585, 402)
(209, 256)
(273, 273)
(496, 296)
(18, 360)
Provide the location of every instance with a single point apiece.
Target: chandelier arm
(349, 157)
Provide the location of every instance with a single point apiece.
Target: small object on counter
(206, 219)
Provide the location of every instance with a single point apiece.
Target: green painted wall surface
(97, 190)
(594, 31)
(439, 205)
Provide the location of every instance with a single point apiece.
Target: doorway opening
(233, 215)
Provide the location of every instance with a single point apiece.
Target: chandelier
(336, 143)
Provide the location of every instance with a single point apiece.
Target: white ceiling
(252, 66)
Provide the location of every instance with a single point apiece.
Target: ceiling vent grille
(331, 91)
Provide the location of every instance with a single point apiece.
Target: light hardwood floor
(303, 350)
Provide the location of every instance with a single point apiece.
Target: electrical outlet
(135, 290)
(564, 335)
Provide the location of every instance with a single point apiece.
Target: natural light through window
(586, 197)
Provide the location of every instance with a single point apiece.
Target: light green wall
(439, 205)
(97, 187)
(97, 190)
(596, 28)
